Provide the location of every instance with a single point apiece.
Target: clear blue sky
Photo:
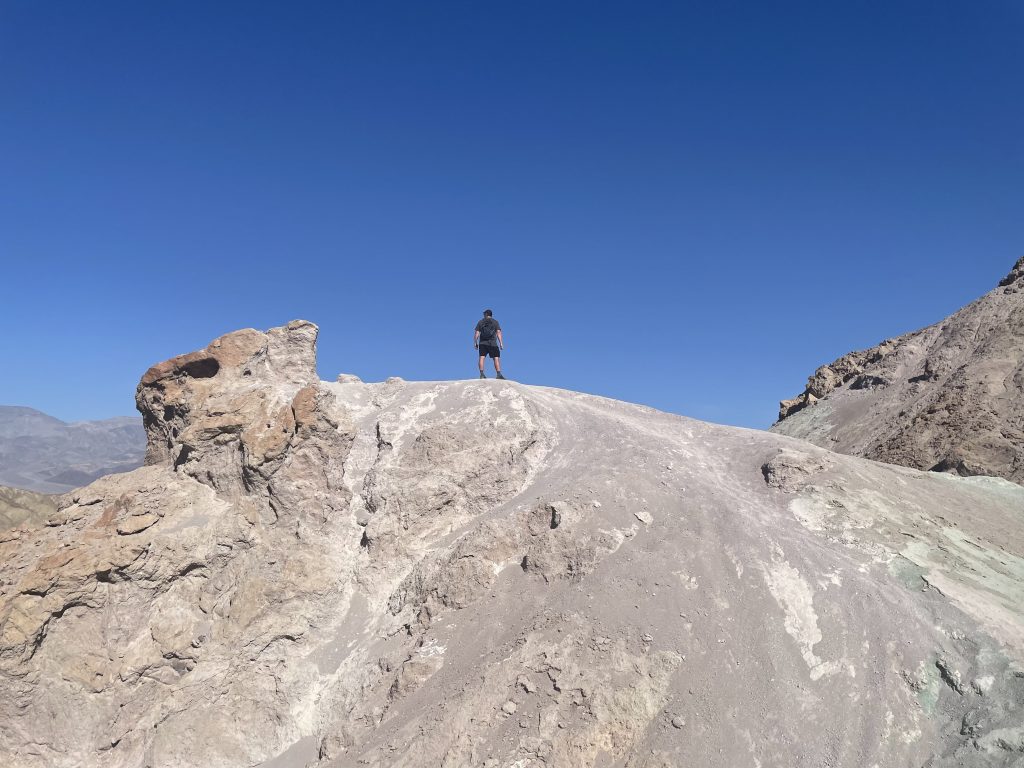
(689, 205)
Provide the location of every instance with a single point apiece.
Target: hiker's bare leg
(497, 364)
(482, 358)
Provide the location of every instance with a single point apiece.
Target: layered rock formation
(44, 454)
(489, 574)
(949, 397)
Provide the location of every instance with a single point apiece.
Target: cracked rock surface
(948, 398)
(490, 574)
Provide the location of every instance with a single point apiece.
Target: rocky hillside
(488, 574)
(19, 508)
(947, 398)
(44, 454)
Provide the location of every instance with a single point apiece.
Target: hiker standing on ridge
(487, 338)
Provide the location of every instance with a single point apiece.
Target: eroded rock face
(848, 368)
(488, 574)
(948, 398)
(226, 415)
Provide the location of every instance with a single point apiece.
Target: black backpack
(488, 330)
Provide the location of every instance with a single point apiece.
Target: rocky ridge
(488, 574)
(949, 397)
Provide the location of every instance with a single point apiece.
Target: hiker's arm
(476, 339)
(501, 340)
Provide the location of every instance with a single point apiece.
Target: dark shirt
(488, 329)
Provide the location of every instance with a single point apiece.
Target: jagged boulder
(226, 413)
(1014, 281)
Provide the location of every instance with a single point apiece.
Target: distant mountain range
(41, 453)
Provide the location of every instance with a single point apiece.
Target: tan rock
(137, 523)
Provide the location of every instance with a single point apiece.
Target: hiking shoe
(499, 376)
(483, 375)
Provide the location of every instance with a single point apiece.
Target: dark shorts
(486, 350)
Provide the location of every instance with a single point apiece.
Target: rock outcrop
(43, 454)
(243, 415)
(488, 574)
(949, 397)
